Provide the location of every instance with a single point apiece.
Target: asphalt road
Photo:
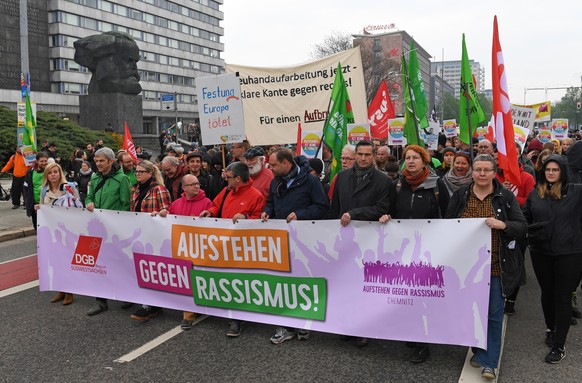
(44, 342)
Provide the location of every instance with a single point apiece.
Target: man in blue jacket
(294, 194)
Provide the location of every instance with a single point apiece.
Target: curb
(8, 235)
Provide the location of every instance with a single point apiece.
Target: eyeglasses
(485, 171)
(347, 158)
(229, 177)
(141, 171)
(192, 184)
(552, 170)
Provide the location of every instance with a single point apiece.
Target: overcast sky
(540, 41)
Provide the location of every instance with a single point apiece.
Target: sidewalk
(13, 223)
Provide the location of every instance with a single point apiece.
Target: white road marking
(155, 343)
(471, 374)
(18, 259)
(19, 288)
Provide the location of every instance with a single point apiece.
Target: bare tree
(376, 67)
(333, 43)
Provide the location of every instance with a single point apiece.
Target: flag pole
(469, 121)
(411, 95)
(324, 125)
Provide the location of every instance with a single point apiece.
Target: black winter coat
(561, 217)
(305, 196)
(367, 202)
(420, 203)
(506, 208)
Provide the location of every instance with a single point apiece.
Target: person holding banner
(54, 189)
(108, 189)
(294, 194)
(149, 196)
(486, 198)
(192, 202)
(417, 194)
(361, 193)
(239, 200)
(553, 210)
(262, 176)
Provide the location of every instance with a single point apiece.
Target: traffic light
(578, 105)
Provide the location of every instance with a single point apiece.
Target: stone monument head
(112, 59)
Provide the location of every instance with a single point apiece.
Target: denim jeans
(490, 357)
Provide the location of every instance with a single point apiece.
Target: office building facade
(450, 71)
(179, 40)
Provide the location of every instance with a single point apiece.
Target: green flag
(469, 101)
(420, 104)
(410, 121)
(29, 137)
(335, 133)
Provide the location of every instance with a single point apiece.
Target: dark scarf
(361, 173)
(415, 181)
(143, 189)
(283, 181)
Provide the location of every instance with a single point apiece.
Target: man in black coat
(294, 194)
(360, 193)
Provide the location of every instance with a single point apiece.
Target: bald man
(485, 147)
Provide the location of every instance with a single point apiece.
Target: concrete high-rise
(179, 40)
(450, 71)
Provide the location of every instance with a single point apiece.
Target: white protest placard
(310, 141)
(277, 99)
(358, 132)
(560, 128)
(521, 134)
(396, 132)
(450, 128)
(523, 115)
(220, 109)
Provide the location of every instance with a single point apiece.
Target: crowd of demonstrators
(295, 194)
(271, 183)
(56, 190)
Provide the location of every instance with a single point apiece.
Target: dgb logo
(87, 251)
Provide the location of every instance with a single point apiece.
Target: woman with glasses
(486, 198)
(150, 196)
(553, 210)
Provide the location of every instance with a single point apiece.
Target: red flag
(491, 130)
(379, 111)
(507, 153)
(298, 147)
(128, 144)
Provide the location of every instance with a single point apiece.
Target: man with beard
(126, 163)
(261, 176)
(294, 194)
(194, 162)
(32, 185)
